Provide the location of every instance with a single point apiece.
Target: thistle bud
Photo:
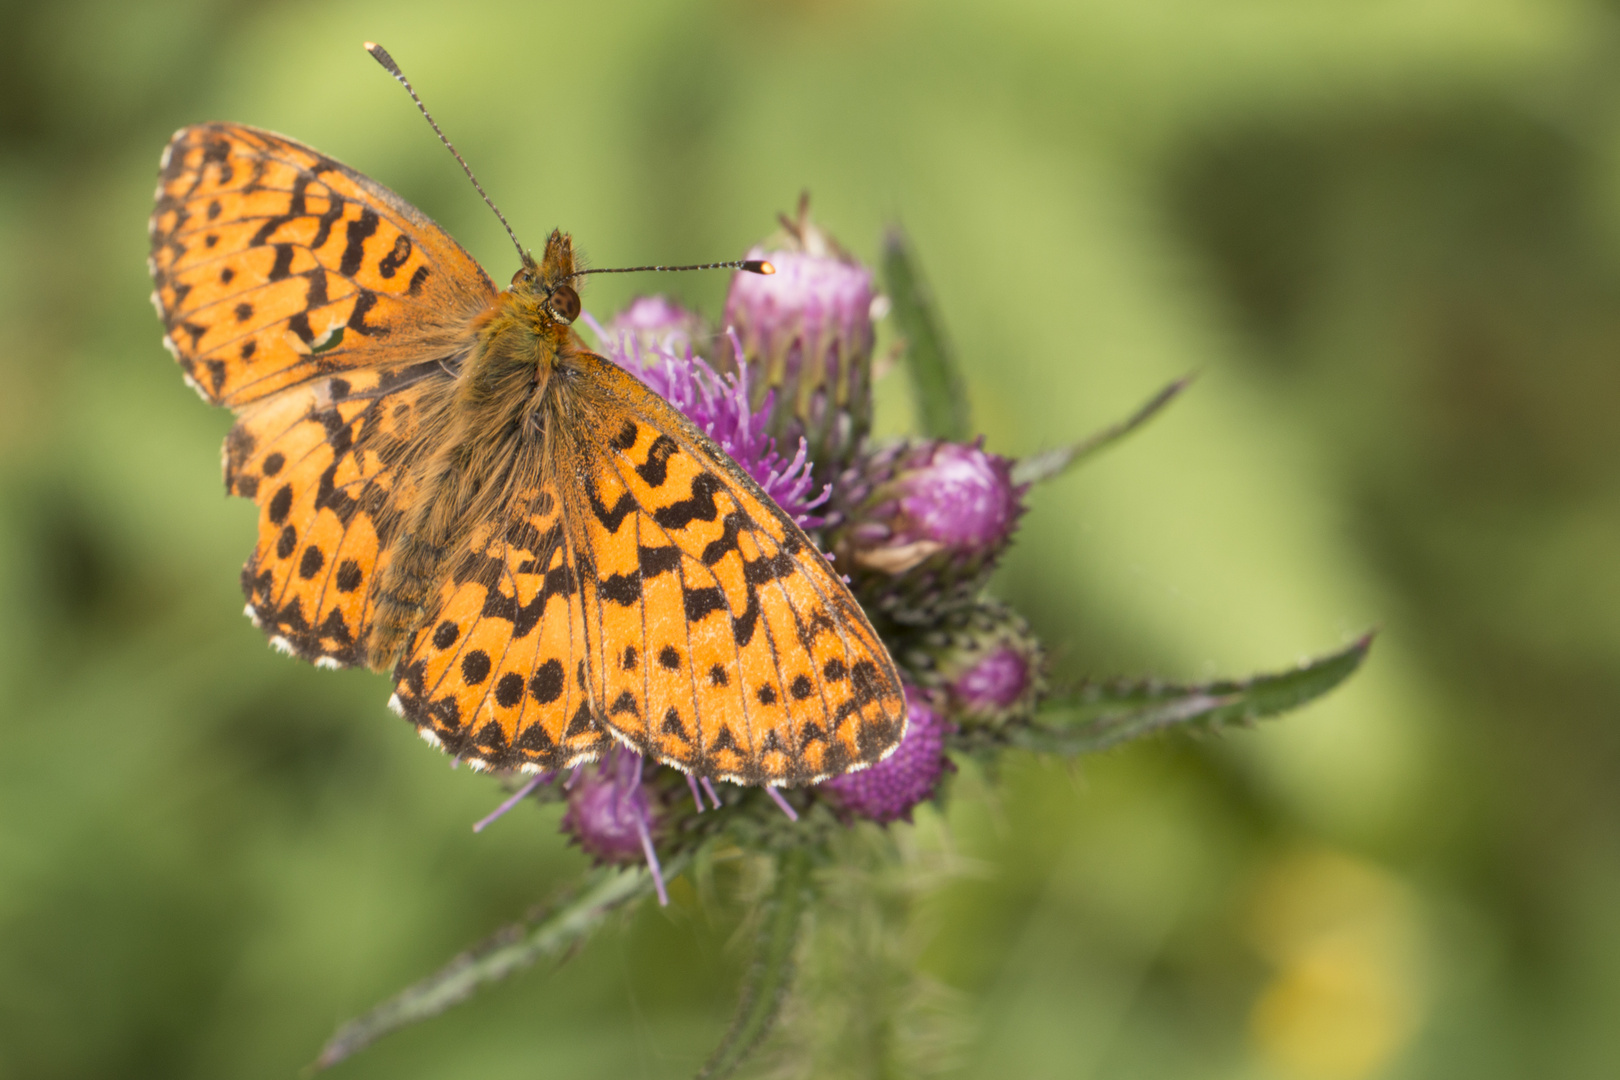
(930, 525)
(610, 811)
(889, 789)
(806, 331)
(986, 663)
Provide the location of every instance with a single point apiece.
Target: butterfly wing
(650, 586)
(497, 674)
(753, 663)
(275, 265)
(325, 462)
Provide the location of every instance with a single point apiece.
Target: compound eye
(521, 276)
(564, 303)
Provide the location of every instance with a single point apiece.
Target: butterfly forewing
(721, 640)
(274, 264)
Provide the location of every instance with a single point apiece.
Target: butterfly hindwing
(274, 264)
(496, 673)
(325, 462)
(722, 641)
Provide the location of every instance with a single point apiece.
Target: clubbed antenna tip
(752, 266)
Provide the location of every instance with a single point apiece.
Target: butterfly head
(548, 283)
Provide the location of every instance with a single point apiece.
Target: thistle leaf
(551, 932)
(770, 972)
(1055, 462)
(1097, 716)
(941, 397)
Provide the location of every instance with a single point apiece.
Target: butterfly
(547, 555)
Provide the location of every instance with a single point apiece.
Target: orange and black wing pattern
(498, 672)
(326, 462)
(725, 643)
(649, 587)
(275, 265)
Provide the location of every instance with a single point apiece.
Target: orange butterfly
(450, 484)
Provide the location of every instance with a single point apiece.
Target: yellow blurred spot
(1346, 996)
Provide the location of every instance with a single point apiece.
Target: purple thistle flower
(659, 322)
(610, 814)
(719, 405)
(889, 789)
(934, 519)
(808, 331)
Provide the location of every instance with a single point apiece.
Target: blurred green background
(1385, 234)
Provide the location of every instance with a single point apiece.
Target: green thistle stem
(770, 972)
(552, 932)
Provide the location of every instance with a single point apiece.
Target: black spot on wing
(622, 589)
(580, 723)
(509, 690)
(358, 232)
(475, 667)
(280, 504)
(348, 576)
(612, 518)
(672, 725)
(357, 318)
(659, 560)
(698, 507)
(655, 470)
(700, 603)
(390, 263)
(535, 740)
(768, 568)
(547, 683)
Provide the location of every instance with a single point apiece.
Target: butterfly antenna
(752, 266)
(380, 54)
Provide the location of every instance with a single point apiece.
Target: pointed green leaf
(1050, 463)
(551, 932)
(941, 397)
(1098, 716)
(770, 972)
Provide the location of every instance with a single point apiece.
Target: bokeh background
(1386, 235)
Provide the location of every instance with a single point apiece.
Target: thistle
(918, 525)
(807, 332)
(934, 519)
